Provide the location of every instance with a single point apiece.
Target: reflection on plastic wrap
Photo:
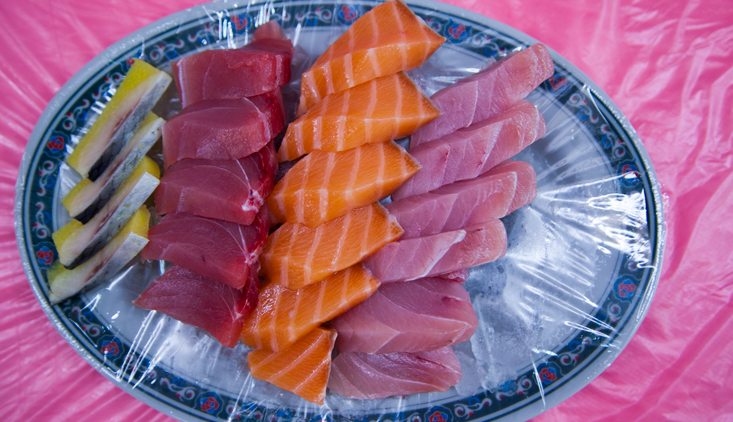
(563, 289)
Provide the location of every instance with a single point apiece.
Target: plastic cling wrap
(578, 277)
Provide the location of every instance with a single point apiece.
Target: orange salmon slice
(296, 256)
(382, 109)
(302, 368)
(282, 316)
(387, 39)
(326, 185)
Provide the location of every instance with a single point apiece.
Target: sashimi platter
(360, 210)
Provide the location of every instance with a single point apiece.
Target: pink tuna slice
(526, 191)
(217, 249)
(229, 190)
(441, 253)
(458, 276)
(366, 376)
(414, 316)
(202, 302)
(469, 152)
(487, 93)
(269, 30)
(259, 67)
(223, 129)
(460, 204)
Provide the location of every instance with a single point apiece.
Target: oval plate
(554, 313)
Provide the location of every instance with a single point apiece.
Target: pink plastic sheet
(667, 65)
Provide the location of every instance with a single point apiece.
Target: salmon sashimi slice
(387, 39)
(296, 256)
(412, 316)
(526, 191)
(460, 204)
(487, 93)
(282, 316)
(469, 152)
(440, 253)
(201, 301)
(218, 249)
(303, 368)
(326, 185)
(378, 376)
(385, 108)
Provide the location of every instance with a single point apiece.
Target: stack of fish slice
(109, 223)
(355, 100)
(395, 342)
(220, 164)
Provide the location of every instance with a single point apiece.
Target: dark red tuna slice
(260, 66)
(230, 190)
(223, 129)
(218, 249)
(202, 302)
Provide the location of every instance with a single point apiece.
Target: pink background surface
(667, 65)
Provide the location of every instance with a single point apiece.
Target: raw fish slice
(458, 276)
(384, 41)
(460, 204)
(303, 368)
(132, 101)
(414, 316)
(76, 242)
(230, 190)
(269, 30)
(200, 301)
(217, 249)
(326, 185)
(63, 283)
(487, 93)
(526, 190)
(469, 152)
(297, 256)
(87, 197)
(223, 129)
(367, 376)
(260, 66)
(282, 316)
(380, 110)
(441, 253)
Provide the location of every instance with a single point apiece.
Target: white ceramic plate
(554, 313)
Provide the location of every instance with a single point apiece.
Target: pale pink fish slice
(460, 204)
(413, 316)
(440, 253)
(526, 190)
(487, 93)
(469, 152)
(367, 376)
